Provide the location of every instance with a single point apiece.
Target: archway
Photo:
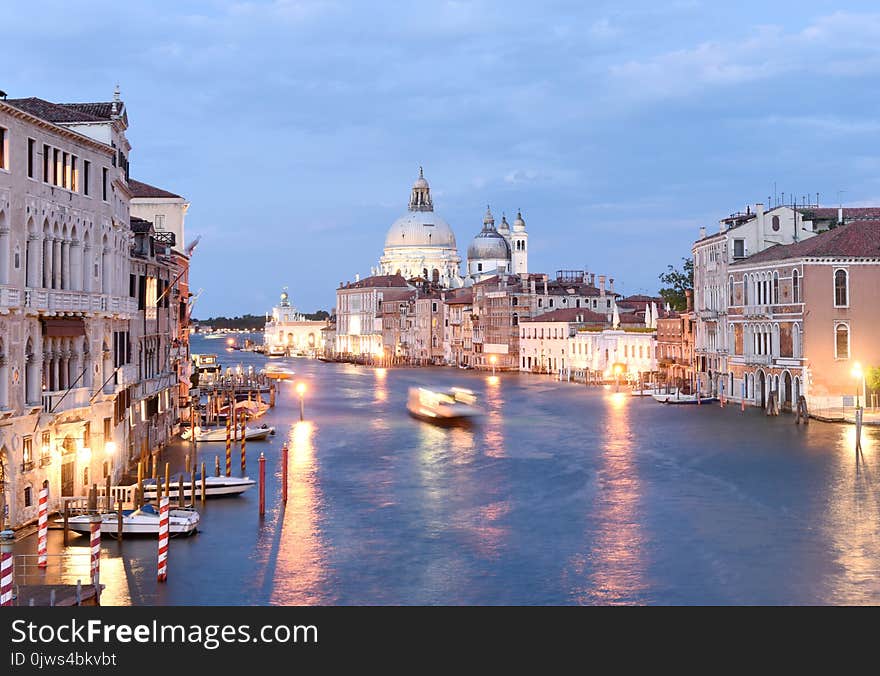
(761, 393)
(785, 394)
(68, 467)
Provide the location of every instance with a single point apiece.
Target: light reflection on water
(561, 494)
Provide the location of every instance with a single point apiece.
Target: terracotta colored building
(802, 315)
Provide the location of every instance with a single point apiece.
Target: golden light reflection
(381, 389)
(299, 574)
(494, 423)
(852, 519)
(615, 567)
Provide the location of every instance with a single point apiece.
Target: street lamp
(618, 369)
(859, 376)
(301, 390)
(493, 360)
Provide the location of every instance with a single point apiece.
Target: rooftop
(575, 315)
(141, 189)
(377, 281)
(857, 239)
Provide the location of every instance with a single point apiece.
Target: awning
(63, 328)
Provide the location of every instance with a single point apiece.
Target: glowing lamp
(857, 372)
(300, 389)
(85, 454)
(110, 449)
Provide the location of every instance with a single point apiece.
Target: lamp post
(301, 390)
(617, 371)
(859, 376)
(493, 360)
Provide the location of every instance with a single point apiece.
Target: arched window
(795, 287)
(775, 224)
(841, 288)
(841, 341)
(775, 288)
(514, 300)
(745, 283)
(730, 291)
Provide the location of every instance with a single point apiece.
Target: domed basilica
(420, 244)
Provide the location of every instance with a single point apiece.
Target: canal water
(563, 494)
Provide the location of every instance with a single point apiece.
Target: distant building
(545, 339)
(288, 332)
(358, 314)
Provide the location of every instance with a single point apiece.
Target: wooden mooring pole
(262, 485)
(204, 482)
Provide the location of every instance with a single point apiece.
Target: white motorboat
(276, 351)
(219, 433)
(215, 486)
(143, 521)
(455, 405)
(651, 391)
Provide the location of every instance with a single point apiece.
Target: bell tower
(519, 243)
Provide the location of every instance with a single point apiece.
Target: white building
(544, 342)
(165, 210)
(603, 353)
(289, 332)
(741, 235)
(65, 298)
(359, 317)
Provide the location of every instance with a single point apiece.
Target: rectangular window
(104, 175)
(3, 150)
(32, 149)
(46, 160)
(56, 166)
(86, 167)
(28, 496)
(74, 173)
(739, 248)
(65, 170)
(159, 221)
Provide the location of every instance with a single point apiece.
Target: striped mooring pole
(229, 442)
(95, 547)
(163, 538)
(43, 527)
(7, 540)
(243, 444)
(262, 485)
(284, 462)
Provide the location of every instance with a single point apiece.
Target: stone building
(358, 319)
(802, 315)
(65, 305)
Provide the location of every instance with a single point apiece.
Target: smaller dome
(519, 223)
(488, 219)
(504, 226)
(421, 181)
(488, 245)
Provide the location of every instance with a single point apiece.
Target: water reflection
(299, 577)
(853, 522)
(616, 565)
(494, 419)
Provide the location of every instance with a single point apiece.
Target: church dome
(420, 226)
(420, 229)
(489, 244)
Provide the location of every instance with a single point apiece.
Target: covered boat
(215, 486)
(219, 433)
(143, 521)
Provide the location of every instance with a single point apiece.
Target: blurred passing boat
(456, 405)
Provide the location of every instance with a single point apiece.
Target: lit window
(4, 150)
(841, 341)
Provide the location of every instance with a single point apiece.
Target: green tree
(872, 378)
(676, 282)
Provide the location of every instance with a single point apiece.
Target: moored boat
(219, 433)
(143, 521)
(678, 398)
(215, 486)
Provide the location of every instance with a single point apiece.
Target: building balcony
(708, 315)
(60, 401)
(27, 465)
(54, 301)
(758, 311)
(125, 375)
(758, 359)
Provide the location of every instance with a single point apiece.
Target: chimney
(592, 279)
(611, 285)
(545, 285)
(689, 296)
(840, 215)
(702, 232)
(601, 285)
(532, 287)
(357, 277)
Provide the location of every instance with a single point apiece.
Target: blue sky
(296, 128)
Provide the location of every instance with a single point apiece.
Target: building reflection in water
(615, 566)
(380, 390)
(852, 522)
(299, 574)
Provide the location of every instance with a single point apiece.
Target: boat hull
(215, 487)
(139, 522)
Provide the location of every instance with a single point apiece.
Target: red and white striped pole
(7, 540)
(95, 547)
(243, 443)
(262, 485)
(163, 538)
(229, 441)
(43, 527)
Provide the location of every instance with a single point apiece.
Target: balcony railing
(45, 460)
(758, 311)
(65, 300)
(64, 400)
(759, 359)
(27, 465)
